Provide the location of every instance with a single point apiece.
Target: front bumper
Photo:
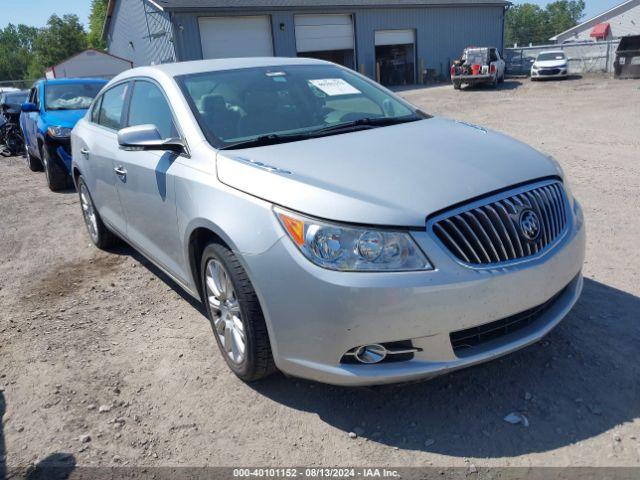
(549, 73)
(315, 316)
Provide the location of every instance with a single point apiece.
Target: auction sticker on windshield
(334, 86)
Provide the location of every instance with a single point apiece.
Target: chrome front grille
(501, 228)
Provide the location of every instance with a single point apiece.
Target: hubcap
(227, 319)
(88, 212)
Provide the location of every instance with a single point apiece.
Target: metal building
(395, 41)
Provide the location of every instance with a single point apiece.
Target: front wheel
(34, 164)
(457, 85)
(100, 235)
(235, 314)
(57, 177)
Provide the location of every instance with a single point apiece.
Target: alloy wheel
(225, 311)
(88, 212)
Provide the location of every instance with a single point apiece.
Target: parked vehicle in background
(11, 140)
(48, 115)
(627, 63)
(331, 229)
(550, 64)
(478, 65)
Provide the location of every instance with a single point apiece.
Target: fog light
(374, 353)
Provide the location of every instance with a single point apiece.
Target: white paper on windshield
(334, 86)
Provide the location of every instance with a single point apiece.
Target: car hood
(396, 175)
(551, 63)
(63, 118)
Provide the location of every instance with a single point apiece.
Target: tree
(564, 14)
(96, 23)
(528, 23)
(16, 43)
(60, 39)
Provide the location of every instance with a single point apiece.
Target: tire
(57, 177)
(34, 164)
(100, 235)
(237, 315)
(457, 85)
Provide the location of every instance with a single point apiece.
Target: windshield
(13, 98)
(551, 56)
(70, 96)
(235, 106)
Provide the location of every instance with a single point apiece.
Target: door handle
(85, 152)
(120, 171)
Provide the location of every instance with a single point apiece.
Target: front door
(101, 151)
(146, 183)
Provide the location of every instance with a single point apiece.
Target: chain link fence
(588, 57)
(19, 84)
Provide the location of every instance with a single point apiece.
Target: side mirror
(29, 107)
(147, 137)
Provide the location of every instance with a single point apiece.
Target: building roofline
(600, 16)
(194, 6)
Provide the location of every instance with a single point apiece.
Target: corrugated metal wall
(141, 33)
(441, 32)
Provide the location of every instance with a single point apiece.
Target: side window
(95, 112)
(112, 107)
(149, 106)
(36, 96)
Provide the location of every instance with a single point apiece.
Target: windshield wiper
(263, 140)
(364, 123)
(359, 124)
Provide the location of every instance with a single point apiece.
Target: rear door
(146, 183)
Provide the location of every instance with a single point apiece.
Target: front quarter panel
(245, 223)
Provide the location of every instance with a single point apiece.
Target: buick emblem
(529, 225)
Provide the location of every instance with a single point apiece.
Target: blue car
(48, 116)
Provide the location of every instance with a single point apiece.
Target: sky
(36, 12)
(592, 7)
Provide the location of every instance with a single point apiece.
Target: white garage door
(228, 37)
(321, 33)
(395, 37)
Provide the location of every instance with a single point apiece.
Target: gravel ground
(104, 361)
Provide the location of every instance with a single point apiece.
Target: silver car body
(391, 176)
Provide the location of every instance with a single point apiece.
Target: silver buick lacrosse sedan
(332, 230)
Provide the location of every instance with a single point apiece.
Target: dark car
(627, 64)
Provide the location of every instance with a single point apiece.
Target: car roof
(551, 51)
(221, 64)
(67, 81)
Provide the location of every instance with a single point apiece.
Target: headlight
(59, 132)
(352, 249)
(534, 66)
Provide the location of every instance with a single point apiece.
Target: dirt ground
(104, 361)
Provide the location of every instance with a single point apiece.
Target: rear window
(70, 96)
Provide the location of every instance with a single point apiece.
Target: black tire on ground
(57, 177)
(34, 164)
(258, 360)
(102, 238)
(457, 85)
